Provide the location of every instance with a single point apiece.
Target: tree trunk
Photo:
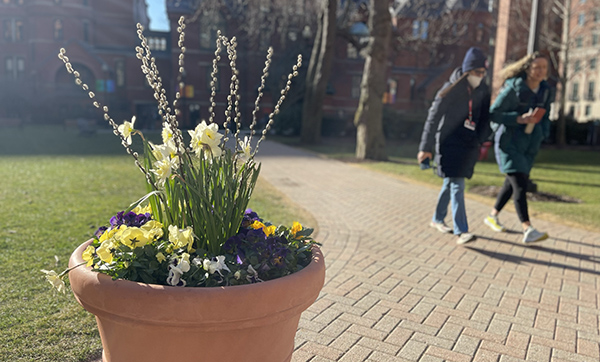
(561, 122)
(319, 71)
(370, 141)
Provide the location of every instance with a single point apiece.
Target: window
(593, 63)
(13, 30)
(479, 33)
(209, 25)
(594, 39)
(581, 19)
(58, 29)
(577, 66)
(356, 79)
(575, 92)
(596, 16)
(86, 32)
(588, 110)
(14, 67)
(120, 72)
(590, 91)
(420, 29)
(579, 42)
(157, 43)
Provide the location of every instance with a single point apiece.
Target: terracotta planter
(147, 322)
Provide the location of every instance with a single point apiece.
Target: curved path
(398, 290)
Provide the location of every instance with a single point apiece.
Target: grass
(57, 188)
(568, 172)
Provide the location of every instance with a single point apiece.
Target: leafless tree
(370, 141)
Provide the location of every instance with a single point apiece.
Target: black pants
(515, 185)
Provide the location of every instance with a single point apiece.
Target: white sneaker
(441, 227)
(531, 235)
(465, 238)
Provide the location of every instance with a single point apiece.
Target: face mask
(474, 80)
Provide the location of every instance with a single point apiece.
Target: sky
(157, 12)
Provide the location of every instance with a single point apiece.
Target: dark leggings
(515, 185)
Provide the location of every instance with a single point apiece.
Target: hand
(423, 155)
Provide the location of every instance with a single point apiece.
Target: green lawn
(569, 172)
(57, 188)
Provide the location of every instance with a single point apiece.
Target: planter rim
(294, 293)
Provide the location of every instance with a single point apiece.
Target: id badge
(470, 125)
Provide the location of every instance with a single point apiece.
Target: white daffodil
(126, 129)
(245, 147)
(176, 271)
(167, 133)
(206, 136)
(212, 266)
(163, 169)
(55, 280)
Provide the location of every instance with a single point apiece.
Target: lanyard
(470, 105)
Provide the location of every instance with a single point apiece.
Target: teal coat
(516, 150)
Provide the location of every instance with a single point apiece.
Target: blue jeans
(452, 189)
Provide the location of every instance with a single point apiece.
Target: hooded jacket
(456, 141)
(516, 150)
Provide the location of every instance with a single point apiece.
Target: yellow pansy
(269, 230)
(154, 229)
(160, 257)
(104, 251)
(108, 234)
(88, 255)
(181, 238)
(257, 225)
(296, 227)
(142, 209)
(134, 237)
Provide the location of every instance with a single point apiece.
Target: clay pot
(148, 322)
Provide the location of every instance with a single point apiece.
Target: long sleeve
(502, 111)
(436, 111)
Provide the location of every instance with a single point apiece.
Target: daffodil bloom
(88, 255)
(181, 238)
(55, 280)
(167, 133)
(296, 227)
(126, 130)
(245, 147)
(163, 169)
(206, 136)
(165, 151)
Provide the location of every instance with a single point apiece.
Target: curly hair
(519, 68)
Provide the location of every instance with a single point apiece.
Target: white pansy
(206, 136)
(176, 271)
(252, 275)
(212, 266)
(126, 129)
(55, 280)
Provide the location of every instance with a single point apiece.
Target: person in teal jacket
(518, 137)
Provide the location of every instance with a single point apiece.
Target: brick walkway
(397, 290)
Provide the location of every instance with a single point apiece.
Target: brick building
(100, 39)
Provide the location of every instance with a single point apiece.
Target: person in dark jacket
(457, 124)
(518, 138)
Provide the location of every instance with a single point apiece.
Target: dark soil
(492, 191)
